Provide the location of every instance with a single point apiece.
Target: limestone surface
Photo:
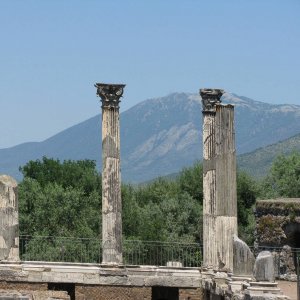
(9, 219)
(110, 95)
(219, 181)
(243, 258)
(264, 269)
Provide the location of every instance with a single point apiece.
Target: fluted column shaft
(219, 182)
(209, 190)
(111, 178)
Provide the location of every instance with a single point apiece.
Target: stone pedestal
(219, 181)
(264, 291)
(9, 219)
(111, 180)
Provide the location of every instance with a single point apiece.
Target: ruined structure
(243, 258)
(219, 181)
(110, 95)
(113, 280)
(278, 222)
(227, 259)
(278, 225)
(9, 219)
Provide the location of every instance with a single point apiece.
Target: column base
(112, 265)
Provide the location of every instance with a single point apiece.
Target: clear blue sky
(52, 52)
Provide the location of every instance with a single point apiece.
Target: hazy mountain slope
(77, 142)
(259, 124)
(163, 136)
(160, 136)
(258, 162)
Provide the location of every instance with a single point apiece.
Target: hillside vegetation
(259, 162)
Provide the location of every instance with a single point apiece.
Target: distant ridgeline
(160, 136)
(258, 162)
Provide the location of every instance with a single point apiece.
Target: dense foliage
(60, 199)
(283, 179)
(63, 199)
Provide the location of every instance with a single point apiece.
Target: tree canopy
(60, 199)
(283, 179)
(63, 199)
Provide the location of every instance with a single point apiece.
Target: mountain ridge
(258, 162)
(159, 136)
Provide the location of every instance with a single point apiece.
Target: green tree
(182, 217)
(80, 173)
(131, 212)
(60, 201)
(64, 199)
(283, 179)
(191, 181)
(57, 211)
(246, 196)
(155, 191)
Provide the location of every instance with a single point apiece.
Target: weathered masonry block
(29, 291)
(86, 292)
(110, 95)
(219, 181)
(9, 219)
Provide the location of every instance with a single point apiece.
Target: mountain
(160, 136)
(258, 162)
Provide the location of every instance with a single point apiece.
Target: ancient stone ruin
(9, 219)
(110, 95)
(278, 229)
(278, 222)
(228, 263)
(219, 181)
(225, 256)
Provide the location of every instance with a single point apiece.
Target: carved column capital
(210, 97)
(110, 94)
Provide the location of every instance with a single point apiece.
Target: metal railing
(161, 253)
(88, 250)
(59, 249)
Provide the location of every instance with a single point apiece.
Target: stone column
(9, 219)
(219, 181)
(110, 95)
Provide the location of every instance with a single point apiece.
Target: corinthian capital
(110, 94)
(210, 97)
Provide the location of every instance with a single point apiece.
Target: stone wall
(96, 292)
(278, 225)
(15, 285)
(29, 291)
(191, 294)
(89, 292)
(278, 222)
